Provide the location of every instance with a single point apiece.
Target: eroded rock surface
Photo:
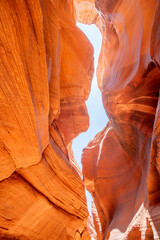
(121, 166)
(46, 67)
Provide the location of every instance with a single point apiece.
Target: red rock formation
(121, 165)
(86, 11)
(46, 66)
(45, 79)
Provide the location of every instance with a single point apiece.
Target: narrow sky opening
(97, 115)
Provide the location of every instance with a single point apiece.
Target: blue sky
(97, 115)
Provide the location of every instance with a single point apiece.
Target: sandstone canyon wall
(121, 166)
(46, 67)
(45, 78)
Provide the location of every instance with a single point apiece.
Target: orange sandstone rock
(86, 11)
(121, 164)
(45, 78)
(46, 69)
(24, 90)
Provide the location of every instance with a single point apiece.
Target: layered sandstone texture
(46, 67)
(121, 165)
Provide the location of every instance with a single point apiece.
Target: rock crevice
(46, 68)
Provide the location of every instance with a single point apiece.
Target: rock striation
(45, 78)
(121, 165)
(46, 67)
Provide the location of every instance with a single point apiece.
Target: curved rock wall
(45, 78)
(121, 165)
(46, 67)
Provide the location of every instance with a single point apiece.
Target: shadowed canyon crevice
(96, 112)
(46, 69)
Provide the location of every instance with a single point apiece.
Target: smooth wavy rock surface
(46, 67)
(121, 165)
(45, 78)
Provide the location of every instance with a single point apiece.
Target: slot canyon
(46, 71)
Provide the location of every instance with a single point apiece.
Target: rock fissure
(47, 65)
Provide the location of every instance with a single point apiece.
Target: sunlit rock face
(86, 11)
(121, 166)
(46, 66)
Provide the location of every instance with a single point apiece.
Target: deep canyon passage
(46, 69)
(97, 116)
